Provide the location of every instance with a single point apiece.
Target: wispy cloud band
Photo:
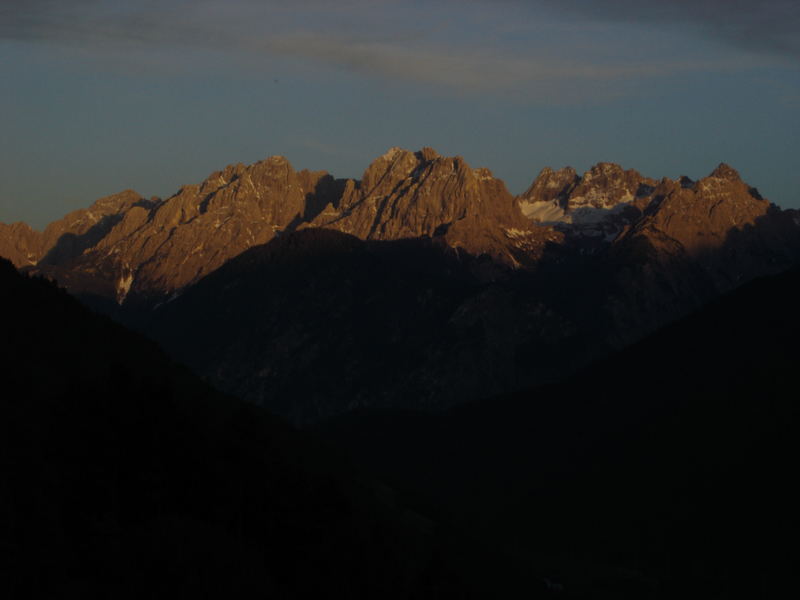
(319, 33)
(762, 25)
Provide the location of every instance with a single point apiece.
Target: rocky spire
(411, 194)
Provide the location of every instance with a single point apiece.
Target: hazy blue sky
(102, 95)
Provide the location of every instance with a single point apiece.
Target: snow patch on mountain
(542, 211)
(124, 284)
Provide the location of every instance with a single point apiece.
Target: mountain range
(424, 284)
(585, 391)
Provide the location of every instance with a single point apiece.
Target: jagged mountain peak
(106, 205)
(428, 154)
(67, 238)
(546, 198)
(607, 184)
(700, 216)
(412, 194)
(549, 171)
(118, 201)
(151, 248)
(725, 171)
(561, 180)
(391, 153)
(154, 248)
(602, 169)
(271, 164)
(565, 196)
(725, 184)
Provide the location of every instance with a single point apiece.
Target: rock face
(68, 237)
(127, 248)
(422, 194)
(606, 185)
(566, 197)
(412, 194)
(315, 324)
(20, 244)
(148, 250)
(693, 242)
(202, 226)
(83, 229)
(701, 216)
(384, 291)
(548, 196)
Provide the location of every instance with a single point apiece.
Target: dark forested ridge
(665, 471)
(124, 476)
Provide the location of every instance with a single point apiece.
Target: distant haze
(103, 95)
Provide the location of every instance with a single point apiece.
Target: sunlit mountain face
(423, 285)
(553, 357)
(459, 358)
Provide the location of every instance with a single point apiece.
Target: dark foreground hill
(667, 471)
(123, 476)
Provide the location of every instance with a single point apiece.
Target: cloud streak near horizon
(771, 26)
(387, 41)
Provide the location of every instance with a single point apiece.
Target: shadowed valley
(585, 391)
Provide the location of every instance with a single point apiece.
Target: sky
(98, 96)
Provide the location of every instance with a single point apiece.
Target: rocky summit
(155, 248)
(565, 196)
(422, 285)
(127, 248)
(411, 194)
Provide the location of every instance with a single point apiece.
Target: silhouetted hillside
(666, 471)
(123, 476)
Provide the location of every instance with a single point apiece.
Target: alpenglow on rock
(701, 215)
(128, 249)
(411, 194)
(70, 236)
(153, 249)
(150, 249)
(564, 196)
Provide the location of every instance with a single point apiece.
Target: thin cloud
(387, 50)
(457, 67)
(36, 19)
(771, 26)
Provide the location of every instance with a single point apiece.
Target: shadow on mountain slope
(122, 475)
(665, 471)
(70, 245)
(319, 322)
